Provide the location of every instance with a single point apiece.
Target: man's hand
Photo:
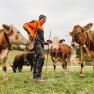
(45, 43)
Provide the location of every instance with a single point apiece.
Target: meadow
(55, 82)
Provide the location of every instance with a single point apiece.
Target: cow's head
(14, 35)
(78, 35)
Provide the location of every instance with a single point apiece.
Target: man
(36, 34)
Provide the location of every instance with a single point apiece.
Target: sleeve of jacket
(41, 37)
(28, 27)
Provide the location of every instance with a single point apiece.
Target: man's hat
(42, 16)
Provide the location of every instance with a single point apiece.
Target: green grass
(55, 82)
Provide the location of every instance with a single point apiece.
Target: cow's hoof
(82, 75)
(5, 79)
(65, 73)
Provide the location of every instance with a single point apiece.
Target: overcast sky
(62, 15)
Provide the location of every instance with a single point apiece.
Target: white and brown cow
(85, 39)
(8, 35)
(62, 52)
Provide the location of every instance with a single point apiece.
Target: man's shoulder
(33, 21)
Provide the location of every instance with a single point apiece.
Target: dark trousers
(39, 61)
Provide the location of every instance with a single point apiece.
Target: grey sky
(62, 15)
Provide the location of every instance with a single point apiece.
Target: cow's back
(18, 59)
(21, 57)
(30, 56)
(65, 49)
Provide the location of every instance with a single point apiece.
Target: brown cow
(21, 59)
(61, 52)
(24, 58)
(85, 39)
(8, 35)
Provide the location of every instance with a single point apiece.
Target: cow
(62, 52)
(24, 58)
(8, 35)
(85, 39)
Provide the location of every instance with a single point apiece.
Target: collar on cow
(87, 43)
(7, 39)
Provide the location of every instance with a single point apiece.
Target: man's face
(43, 20)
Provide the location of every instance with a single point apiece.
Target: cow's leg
(14, 66)
(63, 63)
(54, 63)
(65, 66)
(82, 65)
(4, 68)
(4, 56)
(31, 66)
(68, 63)
(82, 69)
(14, 69)
(93, 65)
(20, 68)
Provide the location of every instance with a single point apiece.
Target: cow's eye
(78, 34)
(18, 32)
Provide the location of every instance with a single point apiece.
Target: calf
(62, 52)
(26, 58)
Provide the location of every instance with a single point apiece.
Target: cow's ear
(70, 33)
(5, 26)
(49, 41)
(8, 29)
(85, 29)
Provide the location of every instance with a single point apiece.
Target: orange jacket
(32, 28)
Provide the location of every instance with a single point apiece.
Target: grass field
(55, 82)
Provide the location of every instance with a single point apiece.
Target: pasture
(55, 82)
